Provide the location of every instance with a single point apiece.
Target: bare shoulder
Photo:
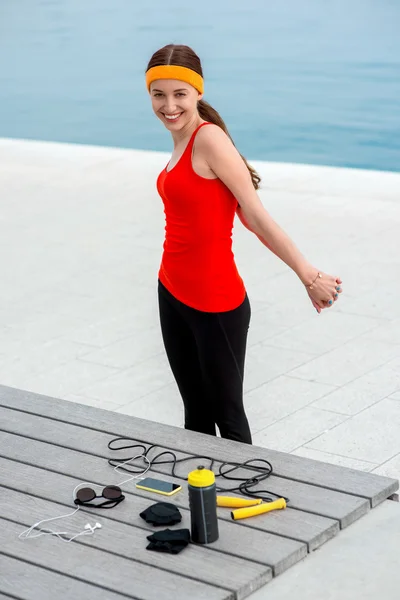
(211, 146)
(220, 156)
(212, 137)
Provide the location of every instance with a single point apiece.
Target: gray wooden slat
(252, 544)
(28, 582)
(374, 487)
(104, 569)
(128, 538)
(309, 498)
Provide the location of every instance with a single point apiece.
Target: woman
(204, 308)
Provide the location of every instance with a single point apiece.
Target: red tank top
(198, 265)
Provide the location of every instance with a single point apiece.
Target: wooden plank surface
(309, 498)
(373, 487)
(107, 570)
(24, 580)
(48, 446)
(311, 529)
(252, 544)
(126, 537)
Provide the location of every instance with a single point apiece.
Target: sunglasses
(112, 495)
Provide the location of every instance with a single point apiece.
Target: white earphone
(88, 529)
(92, 527)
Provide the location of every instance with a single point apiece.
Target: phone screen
(165, 487)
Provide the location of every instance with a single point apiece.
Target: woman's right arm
(241, 216)
(227, 164)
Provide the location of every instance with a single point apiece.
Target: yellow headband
(175, 72)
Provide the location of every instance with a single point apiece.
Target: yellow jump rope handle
(244, 513)
(232, 502)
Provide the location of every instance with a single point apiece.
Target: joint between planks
(35, 564)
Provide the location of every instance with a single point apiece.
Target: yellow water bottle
(203, 506)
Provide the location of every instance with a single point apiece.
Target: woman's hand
(324, 291)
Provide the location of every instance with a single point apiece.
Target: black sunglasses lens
(112, 492)
(85, 494)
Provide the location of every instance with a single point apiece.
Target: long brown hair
(183, 56)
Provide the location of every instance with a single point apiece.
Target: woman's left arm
(227, 164)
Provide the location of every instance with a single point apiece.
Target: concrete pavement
(362, 562)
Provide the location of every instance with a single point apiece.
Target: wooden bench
(48, 446)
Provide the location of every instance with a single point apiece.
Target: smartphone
(158, 486)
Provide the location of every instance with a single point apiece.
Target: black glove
(162, 513)
(169, 541)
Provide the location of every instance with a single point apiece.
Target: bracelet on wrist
(310, 286)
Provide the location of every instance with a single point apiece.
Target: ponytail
(208, 113)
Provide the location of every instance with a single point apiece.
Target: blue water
(306, 81)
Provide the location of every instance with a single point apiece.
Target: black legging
(206, 352)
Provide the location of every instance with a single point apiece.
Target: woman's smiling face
(174, 102)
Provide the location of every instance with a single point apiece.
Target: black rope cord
(225, 469)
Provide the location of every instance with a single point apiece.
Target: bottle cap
(201, 477)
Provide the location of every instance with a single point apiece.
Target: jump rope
(262, 468)
(112, 494)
